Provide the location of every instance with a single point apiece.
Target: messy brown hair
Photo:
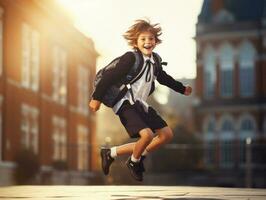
(139, 27)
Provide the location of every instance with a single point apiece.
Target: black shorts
(134, 118)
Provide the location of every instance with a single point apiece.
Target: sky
(105, 21)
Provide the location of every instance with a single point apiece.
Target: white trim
(232, 108)
(7, 164)
(229, 35)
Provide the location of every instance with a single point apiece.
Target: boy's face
(146, 43)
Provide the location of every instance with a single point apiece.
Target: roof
(241, 10)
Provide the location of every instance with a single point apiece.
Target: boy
(139, 119)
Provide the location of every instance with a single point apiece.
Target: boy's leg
(146, 136)
(133, 162)
(164, 135)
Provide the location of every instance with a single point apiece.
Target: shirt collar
(149, 58)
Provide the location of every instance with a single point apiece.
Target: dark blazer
(121, 70)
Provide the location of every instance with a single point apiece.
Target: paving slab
(129, 193)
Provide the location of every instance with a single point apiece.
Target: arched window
(247, 127)
(226, 70)
(247, 69)
(209, 72)
(227, 137)
(209, 141)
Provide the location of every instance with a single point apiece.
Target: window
(209, 140)
(209, 72)
(83, 89)
(30, 58)
(59, 139)
(30, 128)
(83, 147)
(1, 40)
(247, 130)
(226, 142)
(226, 70)
(247, 69)
(59, 75)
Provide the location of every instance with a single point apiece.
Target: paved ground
(129, 193)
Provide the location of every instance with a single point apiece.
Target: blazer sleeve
(111, 76)
(165, 79)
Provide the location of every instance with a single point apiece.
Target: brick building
(231, 87)
(46, 73)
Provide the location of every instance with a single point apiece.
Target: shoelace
(148, 74)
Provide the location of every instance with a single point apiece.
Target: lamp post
(248, 163)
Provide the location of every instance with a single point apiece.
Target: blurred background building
(47, 69)
(46, 73)
(231, 89)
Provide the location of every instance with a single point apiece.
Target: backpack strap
(158, 63)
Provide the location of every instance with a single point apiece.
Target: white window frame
(83, 89)
(30, 127)
(59, 75)
(226, 63)
(209, 69)
(226, 138)
(30, 69)
(209, 138)
(244, 134)
(83, 150)
(246, 59)
(59, 137)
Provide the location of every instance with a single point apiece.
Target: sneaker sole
(132, 174)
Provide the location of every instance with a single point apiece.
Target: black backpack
(117, 91)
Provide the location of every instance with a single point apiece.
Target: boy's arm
(111, 76)
(165, 79)
(94, 105)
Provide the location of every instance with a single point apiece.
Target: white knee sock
(144, 153)
(133, 159)
(113, 152)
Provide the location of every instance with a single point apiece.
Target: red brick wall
(79, 51)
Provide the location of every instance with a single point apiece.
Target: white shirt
(141, 88)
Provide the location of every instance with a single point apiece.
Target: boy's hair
(139, 27)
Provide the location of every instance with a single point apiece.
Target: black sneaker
(142, 168)
(135, 169)
(106, 160)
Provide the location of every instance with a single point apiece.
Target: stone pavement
(129, 193)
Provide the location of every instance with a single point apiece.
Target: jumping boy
(139, 119)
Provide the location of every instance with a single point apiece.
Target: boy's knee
(167, 134)
(146, 134)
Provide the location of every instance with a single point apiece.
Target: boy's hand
(188, 90)
(94, 105)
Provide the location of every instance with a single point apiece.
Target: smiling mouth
(148, 47)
